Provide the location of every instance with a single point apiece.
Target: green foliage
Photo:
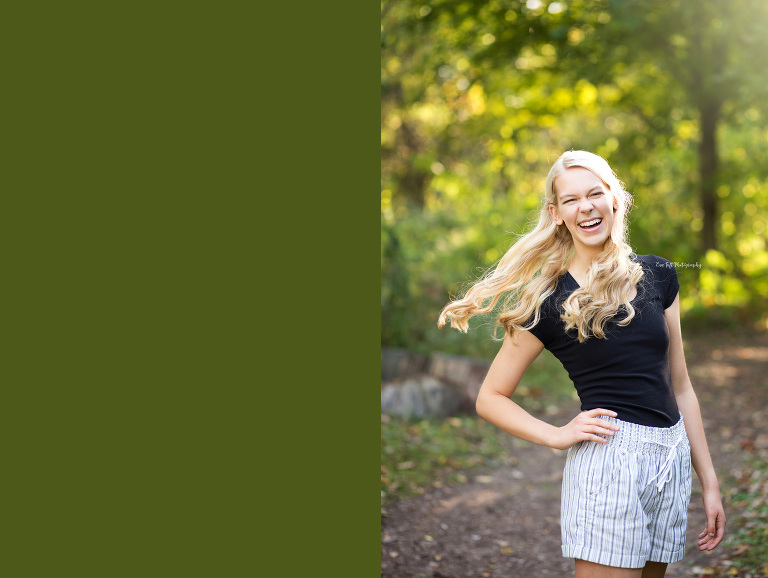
(419, 454)
(749, 529)
(478, 98)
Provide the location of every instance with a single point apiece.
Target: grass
(546, 383)
(748, 544)
(417, 454)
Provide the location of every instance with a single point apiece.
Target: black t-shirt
(629, 371)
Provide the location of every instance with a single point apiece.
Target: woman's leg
(654, 570)
(586, 569)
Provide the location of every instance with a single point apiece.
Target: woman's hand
(585, 426)
(713, 533)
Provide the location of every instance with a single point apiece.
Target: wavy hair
(528, 273)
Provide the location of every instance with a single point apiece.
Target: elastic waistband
(634, 437)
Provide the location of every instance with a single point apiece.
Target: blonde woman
(612, 318)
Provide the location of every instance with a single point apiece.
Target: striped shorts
(625, 502)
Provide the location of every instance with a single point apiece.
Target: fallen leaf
(747, 445)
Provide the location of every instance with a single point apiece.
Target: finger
(601, 423)
(595, 438)
(602, 431)
(600, 411)
(720, 534)
(706, 535)
(711, 539)
(715, 524)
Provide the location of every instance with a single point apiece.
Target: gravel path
(507, 522)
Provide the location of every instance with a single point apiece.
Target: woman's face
(585, 205)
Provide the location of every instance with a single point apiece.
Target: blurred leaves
(478, 98)
(749, 525)
(420, 454)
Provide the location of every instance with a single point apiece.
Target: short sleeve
(543, 330)
(670, 282)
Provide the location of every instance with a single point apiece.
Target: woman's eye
(597, 193)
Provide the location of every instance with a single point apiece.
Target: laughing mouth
(591, 223)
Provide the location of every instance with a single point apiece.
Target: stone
(398, 363)
(466, 373)
(421, 396)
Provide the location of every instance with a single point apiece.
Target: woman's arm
(688, 405)
(494, 403)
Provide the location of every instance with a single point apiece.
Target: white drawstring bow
(665, 473)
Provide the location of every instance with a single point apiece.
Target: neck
(583, 259)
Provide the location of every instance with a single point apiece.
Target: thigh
(585, 569)
(654, 570)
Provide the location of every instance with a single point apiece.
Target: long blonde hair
(527, 274)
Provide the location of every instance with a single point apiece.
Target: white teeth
(590, 223)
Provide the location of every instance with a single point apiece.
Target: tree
(706, 55)
(478, 97)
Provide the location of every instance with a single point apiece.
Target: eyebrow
(595, 188)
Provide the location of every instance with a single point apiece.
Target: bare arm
(494, 403)
(688, 405)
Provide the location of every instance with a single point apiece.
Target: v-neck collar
(577, 286)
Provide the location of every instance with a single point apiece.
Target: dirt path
(507, 523)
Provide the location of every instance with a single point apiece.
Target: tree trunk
(413, 180)
(709, 114)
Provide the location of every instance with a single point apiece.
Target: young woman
(612, 318)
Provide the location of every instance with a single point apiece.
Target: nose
(585, 205)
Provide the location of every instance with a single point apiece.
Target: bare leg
(586, 569)
(654, 570)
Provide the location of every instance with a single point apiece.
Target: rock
(419, 397)
(465, 372)
(397, 363)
